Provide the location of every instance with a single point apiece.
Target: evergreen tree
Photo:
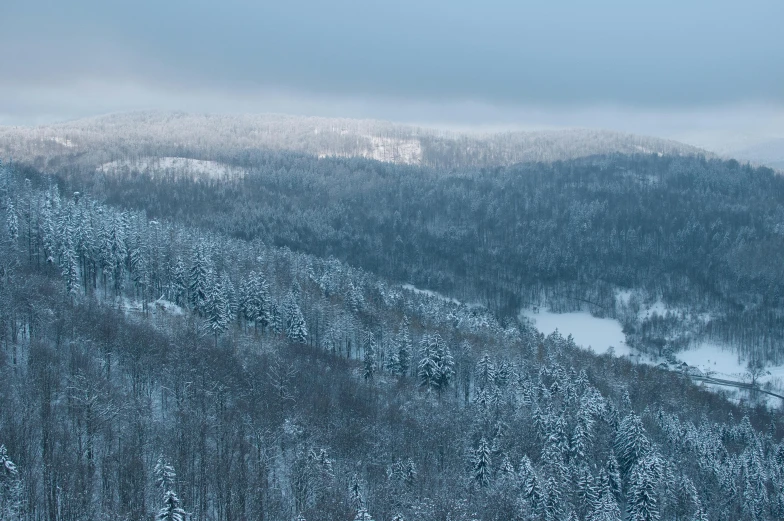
(216, 308)
(12, 224)
(605, 508)
(480, 464)
(586, 488)
(179, 283)
(165, 476)
(198, 280)
(435, 368)
(613, 477)
(485, 371)
(641, 501)
(11, 489)
(295, 328)
(369, 356)
(631, 443)
(171, 510)
(405, 347)
(552, 505)
(356, 497)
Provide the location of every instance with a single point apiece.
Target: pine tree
(435, 369)
(216, 309)
(295, 328)
(11, 489)
(369, 357)
(613, 477)
(248, 302)
(70, 267)
(529, 482)
(355, 496)
(171, 510)
(586, 488)
(485, 371)
(605, 509)
(552, 505)
(12, 224)
(480, 464)
(400, 360)
(165, 476)
(198, 280)
(641, 501)
(179, 283)
(631, 443)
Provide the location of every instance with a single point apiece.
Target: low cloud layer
(502, 63)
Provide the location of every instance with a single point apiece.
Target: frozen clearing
(184, 166)
(411, 287)
(599, 334)
(714, 360)
(589, 332)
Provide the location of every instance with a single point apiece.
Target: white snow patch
(178, 166)
(430, 293)
(386, 149)
(714, 360)
(63, 141)
(589, 332)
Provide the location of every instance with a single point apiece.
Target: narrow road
(733, 383)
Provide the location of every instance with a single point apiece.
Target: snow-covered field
(714, 360)
(589, 332)
(711, 359)
(180, 166)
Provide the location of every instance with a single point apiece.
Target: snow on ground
(589, 332)
(406, 151)
(387, 149)
(63, 141)
(714, 360)
(599, 334)
(411, 287)
(182, 166)
(154, 307)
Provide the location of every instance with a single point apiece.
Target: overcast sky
(663, 67)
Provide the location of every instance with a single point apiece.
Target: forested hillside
(704, 236)
(96, 141)
(153, 363)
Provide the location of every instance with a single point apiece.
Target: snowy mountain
(130, 136)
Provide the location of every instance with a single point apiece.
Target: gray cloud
(667, 53)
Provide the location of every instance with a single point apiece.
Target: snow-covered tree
(480, 464)
(435, 369)
(198, 279)
(171, 510)
(641, 499)
(631, 443)
(216, 308)
(165, 476)
(369, 356)
(295, 327)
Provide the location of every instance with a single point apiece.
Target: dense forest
(95, 141)
(179, 349)
(703, 236)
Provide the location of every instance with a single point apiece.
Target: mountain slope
(94, 141)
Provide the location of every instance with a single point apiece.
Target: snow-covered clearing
(387, 149)
(63, 141)
(160, 306)
(589, 332)
(179, 166)
(714, 360)
(411, 287)
(704, 359)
